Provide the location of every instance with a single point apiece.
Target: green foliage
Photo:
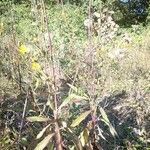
(69, 25)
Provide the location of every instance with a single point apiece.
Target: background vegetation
(74, 75)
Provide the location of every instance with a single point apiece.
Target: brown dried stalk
(58, 139)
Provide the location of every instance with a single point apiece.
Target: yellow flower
(23, 49)
(36, 66)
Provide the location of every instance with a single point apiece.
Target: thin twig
(23, 116)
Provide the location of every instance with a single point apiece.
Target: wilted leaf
(72, 98)
(37, 119)
(42, 132)
(44, 142)
(77, 121)
(84, 137)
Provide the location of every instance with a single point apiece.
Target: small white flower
(88, 23)
(96, 14)
(110, 19)
(117, 53)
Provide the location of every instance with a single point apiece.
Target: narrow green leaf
(77, 121)
(44, 142)
(37, 119)
(100, 133)
(72, 98)
(104, 115)
(106, 120)
(42, 132)
(112, 130)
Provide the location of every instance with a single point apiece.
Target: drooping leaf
(106, 120)
(77, 121)
(100, 133)
(42, 132)
(38, 119)
(72, 98)
(112, 130)
(44, 142)
(104, 115)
